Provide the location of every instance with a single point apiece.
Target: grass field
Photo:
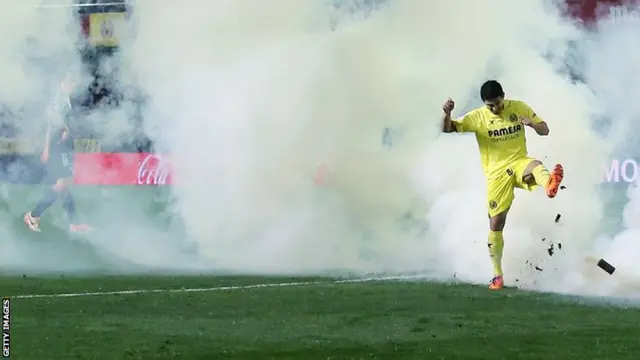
(316, 318)
(255, 318)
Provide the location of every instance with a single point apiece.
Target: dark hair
(490, 90)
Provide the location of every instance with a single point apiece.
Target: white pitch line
(79, 5)
(218, 288)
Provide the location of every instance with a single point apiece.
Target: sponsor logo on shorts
(509, 172)
(493, 204)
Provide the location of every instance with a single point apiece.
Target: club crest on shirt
(513, 118)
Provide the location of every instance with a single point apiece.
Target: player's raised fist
(448, 106)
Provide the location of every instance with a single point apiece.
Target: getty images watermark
(6, 328)
(627, 171)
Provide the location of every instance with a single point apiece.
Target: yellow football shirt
(501, 138)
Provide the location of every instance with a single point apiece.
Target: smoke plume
(305, 136)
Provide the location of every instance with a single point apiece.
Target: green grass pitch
(315, 319)
(318, 320)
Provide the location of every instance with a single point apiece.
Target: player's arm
(532, 120)
(464, 124)
(447, 124)
(52, 114)
(44, 157)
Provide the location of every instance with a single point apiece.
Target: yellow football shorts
(500, 187)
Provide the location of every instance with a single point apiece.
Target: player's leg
(500, 193)
(496, 248)
(69, 206)
(67, 200)
(68, 203)
(535, 173)
(32, 218)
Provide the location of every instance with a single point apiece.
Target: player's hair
(490, 90)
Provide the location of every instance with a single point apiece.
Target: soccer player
(499, 127)
(57, 154)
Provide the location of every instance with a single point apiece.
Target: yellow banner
(86, 145)
(106, 28)
(19, 146)
(15, 146)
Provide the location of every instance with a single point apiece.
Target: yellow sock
(541, 175)
(496, 245)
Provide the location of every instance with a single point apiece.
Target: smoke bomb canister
(606, 266)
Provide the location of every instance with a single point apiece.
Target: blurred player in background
(499, 127)
(57, 155)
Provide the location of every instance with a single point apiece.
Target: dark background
(104, 92)
(21, 164)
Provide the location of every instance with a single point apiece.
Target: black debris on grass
(531, 266)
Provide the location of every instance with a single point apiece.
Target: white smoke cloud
(611, 70)
(250, 97)
(39, 48)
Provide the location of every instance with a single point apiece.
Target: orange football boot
(554, 181)
(496, 283)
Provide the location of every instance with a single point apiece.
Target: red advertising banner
(590, 10)
(122, 169)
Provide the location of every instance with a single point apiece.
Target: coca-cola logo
(153, 170)
(122, 169)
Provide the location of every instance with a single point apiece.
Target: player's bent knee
(60, 186)
(497, 222)
(496, 225)
(532, 165)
